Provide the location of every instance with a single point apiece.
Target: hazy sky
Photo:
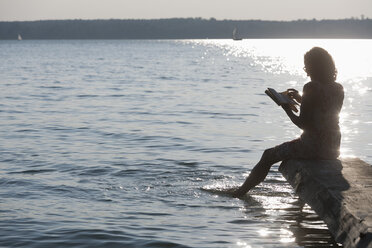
(11, 10)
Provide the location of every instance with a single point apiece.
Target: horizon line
(185, 18)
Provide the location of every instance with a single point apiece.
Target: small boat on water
(235, 34)
(19, 37)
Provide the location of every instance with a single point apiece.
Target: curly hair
(319, 65)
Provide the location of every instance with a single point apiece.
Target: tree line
(185, 28)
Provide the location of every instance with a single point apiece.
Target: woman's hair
(319, 65)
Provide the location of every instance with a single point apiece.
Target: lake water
(129, 143)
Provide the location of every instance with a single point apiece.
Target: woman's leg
(259, 172)
(287, 150)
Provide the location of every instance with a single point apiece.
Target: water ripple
(122, 148)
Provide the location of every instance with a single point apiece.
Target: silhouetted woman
(321, 103)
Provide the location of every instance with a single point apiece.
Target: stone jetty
(340, 192)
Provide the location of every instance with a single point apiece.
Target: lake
(129, 143)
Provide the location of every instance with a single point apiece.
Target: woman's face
(307, 73)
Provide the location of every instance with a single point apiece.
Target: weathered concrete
(340, 192)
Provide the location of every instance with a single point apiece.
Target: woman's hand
(292, 93)
(287, 108)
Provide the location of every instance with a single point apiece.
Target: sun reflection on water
(243, 244)
(353, 57)
(286, 236)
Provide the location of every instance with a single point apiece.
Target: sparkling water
(117, 143)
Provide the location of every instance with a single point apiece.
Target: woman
(321, 103)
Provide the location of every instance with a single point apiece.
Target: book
(282, 98)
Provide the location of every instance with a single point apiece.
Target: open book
(281, 98)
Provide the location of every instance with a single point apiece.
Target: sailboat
(19, 37)
(234, 35)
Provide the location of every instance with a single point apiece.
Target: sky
(26, 10)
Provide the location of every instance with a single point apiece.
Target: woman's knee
(269, 156)
(268, 153)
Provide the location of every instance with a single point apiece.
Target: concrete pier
(340, 192)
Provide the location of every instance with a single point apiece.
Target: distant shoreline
(186, 28)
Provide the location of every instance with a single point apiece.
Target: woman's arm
(294, 118)
(302, 120)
